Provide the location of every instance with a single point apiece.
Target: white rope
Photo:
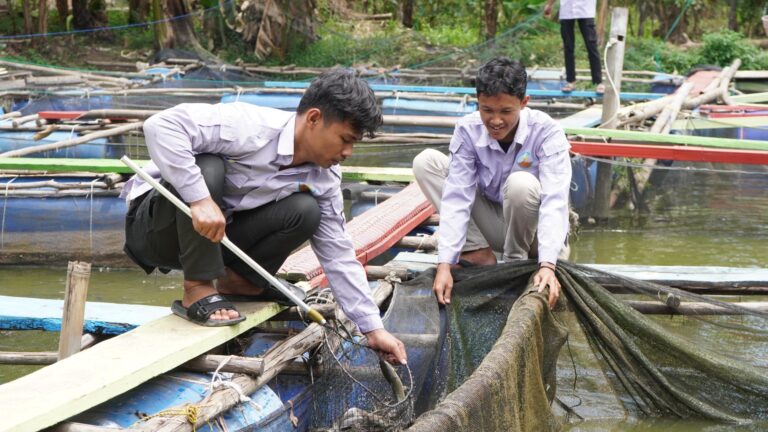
(218, 381)
(239, 92)
(5, 205)
(610, 43)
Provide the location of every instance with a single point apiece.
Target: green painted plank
(110, 368)
(653, 138)
(58, 165)
(750, 97)
(759, 122)
(402, 175)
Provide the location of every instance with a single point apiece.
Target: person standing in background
(583, 13)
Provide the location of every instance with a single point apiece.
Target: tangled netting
(488, 361)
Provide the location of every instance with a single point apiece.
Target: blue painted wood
(23, 313)
(175, 389)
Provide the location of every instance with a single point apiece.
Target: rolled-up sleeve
(458, 197)
(336, 253)
(555, 179)
(169, 136)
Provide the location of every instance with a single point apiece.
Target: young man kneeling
(269, 180)
(504, 188)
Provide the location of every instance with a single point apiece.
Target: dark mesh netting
(492, 360)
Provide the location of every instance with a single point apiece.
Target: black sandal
(200, 311)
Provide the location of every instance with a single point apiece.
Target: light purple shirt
(576, 9)
(478, 163)
(255, 142)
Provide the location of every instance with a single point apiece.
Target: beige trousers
(508, 228)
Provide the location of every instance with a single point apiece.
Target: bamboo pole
(18, 121)
(725, 83)
(10, 115)
(225, 398)
(381, 272)
(117, 113)
(253, 366)
(78, 275)
(44, 357)
(73, 142)
(425, 243)
(63, 72)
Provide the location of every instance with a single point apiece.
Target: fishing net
(498, 359)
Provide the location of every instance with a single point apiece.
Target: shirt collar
(285, 142)
(521, 134)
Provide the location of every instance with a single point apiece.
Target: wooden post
(615, 60)
(78, 275)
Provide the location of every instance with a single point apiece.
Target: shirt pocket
(236, 176)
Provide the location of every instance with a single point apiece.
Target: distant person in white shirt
(504, 187)
(583, 13)
(270, 181)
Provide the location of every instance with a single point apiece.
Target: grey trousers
(158, 235)
(508, 228)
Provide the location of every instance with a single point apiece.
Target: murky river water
(701, 219)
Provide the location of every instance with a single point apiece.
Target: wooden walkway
(73, 385)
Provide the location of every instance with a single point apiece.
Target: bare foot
(196, 290)
(479, 257)
(233, 283)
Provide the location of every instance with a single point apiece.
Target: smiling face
(500, 114)
(325, 143)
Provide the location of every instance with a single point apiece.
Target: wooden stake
(615, 60)
(78, 276)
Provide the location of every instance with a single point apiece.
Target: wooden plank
(586, 118)
(750, 97)
(23, 313)
(403, 175)
(719, 123)
(54, 165)
(679, 153)
(685, 273)
(57, 392)
(650, 138)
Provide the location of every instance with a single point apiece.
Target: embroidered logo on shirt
(525, 160)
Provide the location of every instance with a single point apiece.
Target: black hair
(341, 96)
(501, 75)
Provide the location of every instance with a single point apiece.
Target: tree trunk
(212, 24)
(27, 17)
(138, 10)
(42, 19)
(408, 13)
(63, 8)
(88, 14)
(732, 8)
(177, 33)
(602, 11)
(491, 16)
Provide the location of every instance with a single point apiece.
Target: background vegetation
(666, 35)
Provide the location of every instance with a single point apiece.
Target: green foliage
(723, 47)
